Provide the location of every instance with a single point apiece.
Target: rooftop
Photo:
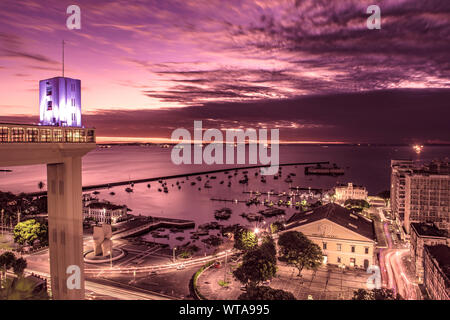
(442, 255)
(337, 214)
(428, 230)
(343, 185)
(435, 167)
(104, 205)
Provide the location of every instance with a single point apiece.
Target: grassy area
(6, 242)
(195, 278)
(223, 283)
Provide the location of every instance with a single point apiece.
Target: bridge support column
(65, 224)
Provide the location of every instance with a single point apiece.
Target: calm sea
(364, 165)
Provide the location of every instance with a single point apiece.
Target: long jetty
(176, 176)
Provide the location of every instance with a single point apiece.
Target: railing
(24, 133)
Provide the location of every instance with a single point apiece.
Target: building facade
(105, 212)
(346, 238)
(437, 271)
(350, 191)
(424, 234)
(421, 193)
(60, 102)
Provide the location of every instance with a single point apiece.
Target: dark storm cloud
(385, 116)
(321, 47)
(309, 67)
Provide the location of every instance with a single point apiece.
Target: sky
(310, 68)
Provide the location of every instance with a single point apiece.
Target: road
(39, 264)
(393, 272)
(94, 290)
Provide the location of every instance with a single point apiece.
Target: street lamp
(225, 268)
(174, 258)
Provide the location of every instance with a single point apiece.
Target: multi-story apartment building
(424, 234)
(437, 271)
(346, 238)
(421, 193)
(349, 191)
(399, 169)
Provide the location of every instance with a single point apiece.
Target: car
(181, 267)
(217, 265)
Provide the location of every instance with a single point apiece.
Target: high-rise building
(421, 192)
(60, 102)
(399, 169)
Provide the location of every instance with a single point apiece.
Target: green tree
(19, 288)
(375, 294)
(356, 203)
(7, 260)
(276, 226)
(19, 266)
(297, 250)
(269, 248)
(22, 289)
(385, 195)
(27, 232)
(245, 239)
(257, 266)
(265, 293)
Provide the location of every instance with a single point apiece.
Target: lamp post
(225, 268)
(174, 258)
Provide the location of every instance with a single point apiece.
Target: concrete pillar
(65, 224)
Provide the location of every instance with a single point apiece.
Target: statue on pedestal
(102, 240)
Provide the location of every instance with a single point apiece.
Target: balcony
(24, 133)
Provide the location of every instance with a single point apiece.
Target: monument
(102, 240)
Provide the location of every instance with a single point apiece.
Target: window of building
(352, 262)
(49, 106)
(339, 247)
(325, 246)
(366, 250)
(339, 260)
(353, 248)
(49, 91)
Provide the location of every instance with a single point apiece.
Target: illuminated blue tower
(60, 102)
